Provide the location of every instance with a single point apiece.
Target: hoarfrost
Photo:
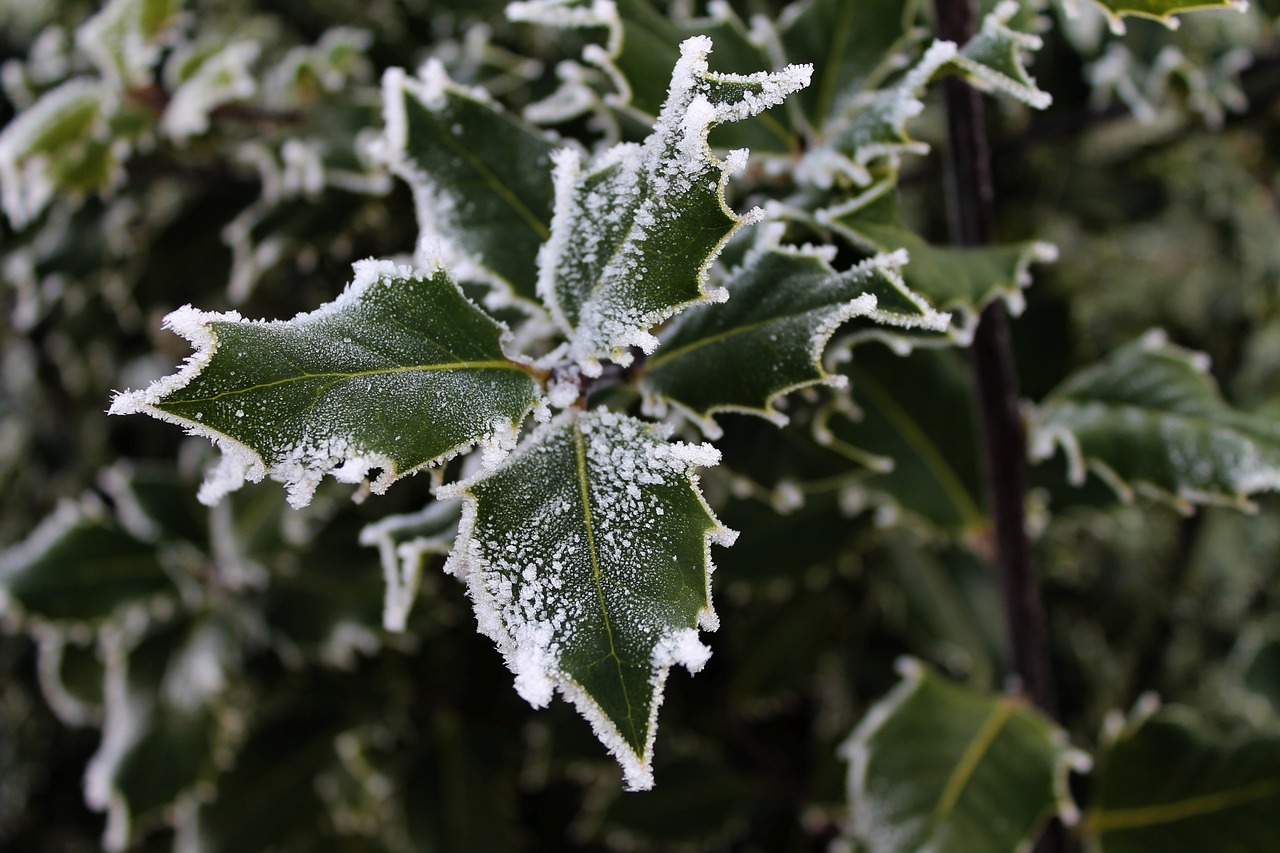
(599, 274)
(315, 450)
(219, 79)
(28, 168)
(577, 550)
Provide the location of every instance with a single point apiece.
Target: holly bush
(926, 354)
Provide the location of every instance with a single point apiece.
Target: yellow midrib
(495, 364)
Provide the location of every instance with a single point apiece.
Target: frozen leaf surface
(587, 556)
(635, 231)
(935, 766)
(769, 339)
(481, 179)
(1149, 417)
(399, 373)
(1166, 782)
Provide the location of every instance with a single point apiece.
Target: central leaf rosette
(587, 556)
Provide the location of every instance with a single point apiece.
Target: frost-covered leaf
(849, 42)
(587, 556)
(908, 426)
(59, 145)
(785, 305)
(399, 373)
(404, 542)
(874, 128)
(1165, 11)
(936, 766)
(162, 729)
(481, 179)
(1165, 781)
(962, 279)
(202, 77)
(634, 232)
(1149, 417)
(994, 60)
(641, 42)
(77, 566)
(124, 39)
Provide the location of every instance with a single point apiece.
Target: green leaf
(635, 232)
(962, 279)
(58, 146)
(769, 339)
(1149, 417)
(400, 373)
(874, 128)
(163, 726)
(1164, 11)
(994, 60)
(935, 766)
(642, 43)
(404, 542)
(124, 39)
(78, 567)
(1166, 782)
(587, 556)
(851, 43)
(908, 425)
(481, 180)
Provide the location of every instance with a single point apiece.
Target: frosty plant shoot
(586, 553)
(636, 318)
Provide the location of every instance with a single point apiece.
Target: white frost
(529, 577)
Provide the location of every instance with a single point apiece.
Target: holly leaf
(165, 724)
(60, 145)
(936, 766)
(400, 373)
(480, 178)
(769, 339)
(874, 127)
(852, 43)
(635, 232)
(1164, 11)
(642, 43)
(587, 557)
(1166, 782)
(960, 279)
(78, 566)
(1149, 418)
(907, 426)
(994, 60)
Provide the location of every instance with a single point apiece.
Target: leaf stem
(973, 224)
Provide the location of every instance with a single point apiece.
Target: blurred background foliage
(1155, 175)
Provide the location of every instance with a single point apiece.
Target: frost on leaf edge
(913, 673)
(689, 130)
(1033, 252)
(242, 464)
(681, 646)
(1044, 439)
(657, 405)
(431, 86)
